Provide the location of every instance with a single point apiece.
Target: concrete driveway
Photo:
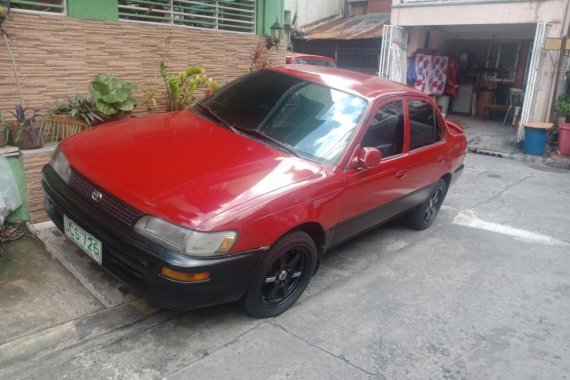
(484, 293)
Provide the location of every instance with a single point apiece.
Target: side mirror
(369, 158)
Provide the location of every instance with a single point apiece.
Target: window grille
(232, 15)
(39, 6)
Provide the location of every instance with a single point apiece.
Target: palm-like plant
(80, 108)
(181, 87)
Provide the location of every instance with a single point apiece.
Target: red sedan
(239, 197)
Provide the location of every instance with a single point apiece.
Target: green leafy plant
(182, 87)
(80, 108)
(112, 96)
(562, 106)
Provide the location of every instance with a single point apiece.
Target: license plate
(84, 240)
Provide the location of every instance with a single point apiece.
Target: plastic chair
(515, 101)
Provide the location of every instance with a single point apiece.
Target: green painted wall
(16, 167)
(93, 9)
(267, 10)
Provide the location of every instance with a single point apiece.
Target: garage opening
(479, 75)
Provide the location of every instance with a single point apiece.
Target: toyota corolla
(239, 197)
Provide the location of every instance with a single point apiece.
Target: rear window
(424, 124)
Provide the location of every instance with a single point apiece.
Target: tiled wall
(57, 56)
(33, 161)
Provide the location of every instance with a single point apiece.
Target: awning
(350, 28)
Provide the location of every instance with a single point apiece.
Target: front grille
(109, 203)
(123, 269)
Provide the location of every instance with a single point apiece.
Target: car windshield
(305, 118)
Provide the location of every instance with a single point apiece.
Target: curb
(103, 286)
(29, 349)
(523, 158)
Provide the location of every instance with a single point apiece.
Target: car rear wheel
(423, 216)
(282, 277)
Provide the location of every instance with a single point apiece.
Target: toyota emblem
(96, 196)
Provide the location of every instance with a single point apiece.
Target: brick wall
(58, 56)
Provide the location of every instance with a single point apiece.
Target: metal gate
(393, 62)
(534, 71)
(357, 55)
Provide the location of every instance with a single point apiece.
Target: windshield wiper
(217, 118)
(256, 133)
(251, 132)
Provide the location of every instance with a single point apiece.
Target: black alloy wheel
(282, 277)
(423, 216)
(434, 202)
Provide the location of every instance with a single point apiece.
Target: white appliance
(461, 103)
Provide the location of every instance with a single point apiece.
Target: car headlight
(60, 165)
(183, 240)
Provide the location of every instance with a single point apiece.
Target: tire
(423, 216)
(282, 276)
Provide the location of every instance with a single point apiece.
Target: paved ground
(484, 293)
(35, 291)
(493, 138)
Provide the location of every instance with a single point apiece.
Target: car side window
(386, 130)
(424, 124)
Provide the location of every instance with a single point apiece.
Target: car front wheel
(423, 216)
(282, 277)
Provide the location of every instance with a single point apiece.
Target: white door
(534, 72)
(393, 60)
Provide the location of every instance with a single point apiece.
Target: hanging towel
(438, 75)
(411, 75)
(431, 73)
(422, 63)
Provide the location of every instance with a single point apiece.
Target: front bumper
(138, 261)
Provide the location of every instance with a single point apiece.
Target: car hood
(181, 167)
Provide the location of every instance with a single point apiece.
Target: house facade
(351, 35)
(498, 46)
(301, 13)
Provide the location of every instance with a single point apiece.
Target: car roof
(364, 85)
(308, 56)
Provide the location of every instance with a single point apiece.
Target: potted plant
(562, 108)
(259, 58)
(24, 132)
(181, 87)
(66, 119)
(112, 97)
(79, 108)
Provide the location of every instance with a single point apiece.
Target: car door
(427, 150)
(372, 195)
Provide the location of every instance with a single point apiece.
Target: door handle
(401, 174)
(441, 160)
